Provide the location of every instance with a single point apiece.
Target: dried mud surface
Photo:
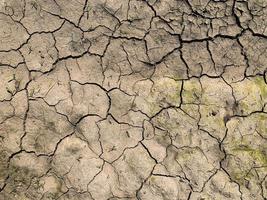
(133, 99)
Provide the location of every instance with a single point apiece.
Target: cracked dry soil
(133, 99)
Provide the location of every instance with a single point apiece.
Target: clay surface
(133, 99)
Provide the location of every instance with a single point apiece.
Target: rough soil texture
(133, 99)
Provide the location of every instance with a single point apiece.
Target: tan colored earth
(133, 99)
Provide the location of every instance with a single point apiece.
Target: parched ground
(133, 99)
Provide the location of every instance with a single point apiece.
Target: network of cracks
(133, 99)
